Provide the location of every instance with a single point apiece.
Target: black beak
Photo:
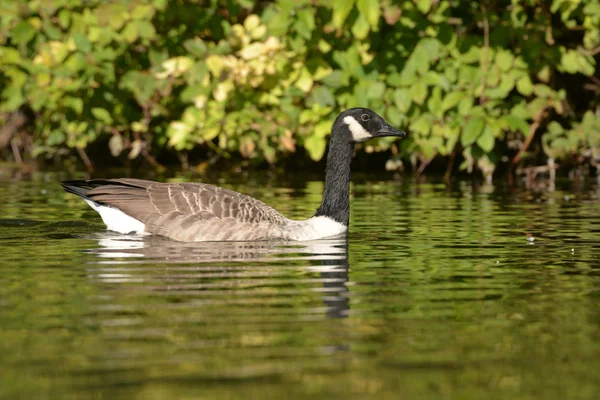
(388, 130)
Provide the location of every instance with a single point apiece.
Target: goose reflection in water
(243, 261)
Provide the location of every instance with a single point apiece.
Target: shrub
(467, 80)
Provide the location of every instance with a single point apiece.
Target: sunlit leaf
(102, 114)
(23, 32)
(361, 27)
(451, 100)
(517, 124)
(472, 130)
(504, 60)
(341, 9)
(486, 140)
(371, 10)
(418, 92)
(315, 146)
(524, 86)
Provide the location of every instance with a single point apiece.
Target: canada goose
(193, 212)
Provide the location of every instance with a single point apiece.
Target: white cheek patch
(359, 134)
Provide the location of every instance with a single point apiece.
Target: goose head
(361, 124)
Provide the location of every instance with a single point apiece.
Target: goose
(196, 212)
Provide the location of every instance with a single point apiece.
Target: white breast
(116, 220)
(315, 228)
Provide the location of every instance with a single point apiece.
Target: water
(458, 292)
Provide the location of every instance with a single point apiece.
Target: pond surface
(458, 292)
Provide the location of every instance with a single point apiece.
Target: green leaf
(451, 100)
(75, 103)
(402, 100)
(175, 66)
(504, 60)
(306, 15)
(424, 6)
(422, 125)
(435, 101)
(146, 30)
(432, 78)
(472, 131)
(335, 79)
(573, 62)
(195, 47)
(517, 124)
(360, 29)
(341, 9)
(23, 32)
(102, 115)
(143, 11)
(55, 138)
(394, 79)
(52, 32)
(136, 148)
(315, 145)
(64, 18)
(524, 86)
(542, 90)
(465, 105)
(322, 129)
(418, 92)
(115, 144)
(82, 42)
(130, 33)
(371, 9)
(376, 90)
(8, 55)
(323, 96)
(178, 133)
(487, 140)
(471, 56)
(305, 81)
(555, 128)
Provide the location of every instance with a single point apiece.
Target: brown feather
(184, 211)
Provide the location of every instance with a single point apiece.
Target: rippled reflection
(441, 291)
(212, 261)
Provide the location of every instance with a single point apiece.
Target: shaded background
(479, 86)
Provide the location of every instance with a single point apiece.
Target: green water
(437, 294)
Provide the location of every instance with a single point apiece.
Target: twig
(421, 168)
(85, 158)
(16, 152)
(532, 128)
(151, 160)
(14, 122)
(591, 52)
(183, 160)
(595, 80)
(450, 164)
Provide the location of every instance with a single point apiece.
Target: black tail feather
(82, 187)
(78, 187)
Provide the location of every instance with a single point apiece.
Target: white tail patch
(116, 220)
(359, 134)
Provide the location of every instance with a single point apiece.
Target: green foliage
(262, 78)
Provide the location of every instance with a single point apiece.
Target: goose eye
(364, 117)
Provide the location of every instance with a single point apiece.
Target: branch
(85, 158)
(532, 128)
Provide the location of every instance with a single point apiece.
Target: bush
(468, 81)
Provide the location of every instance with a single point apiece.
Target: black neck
(336, 197)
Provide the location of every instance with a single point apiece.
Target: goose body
(193, 212)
